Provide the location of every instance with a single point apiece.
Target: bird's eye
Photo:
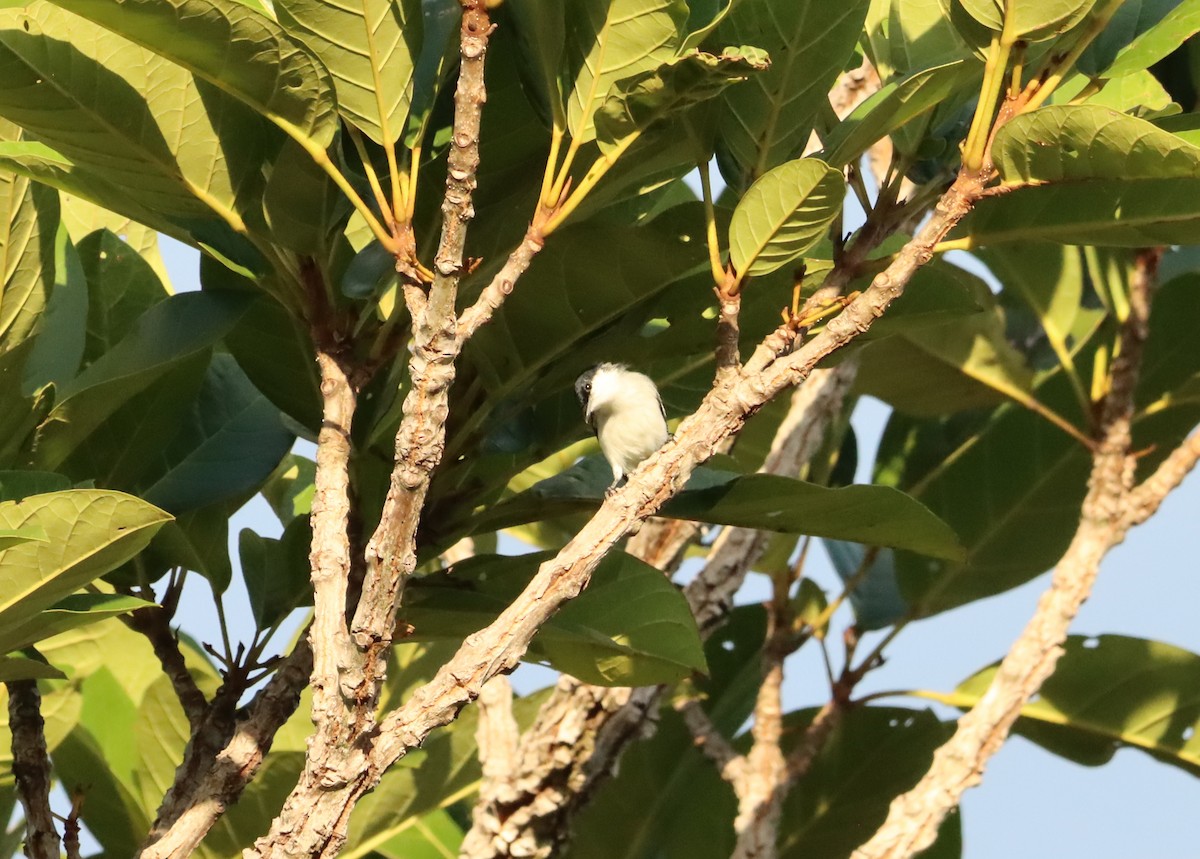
(587, 388)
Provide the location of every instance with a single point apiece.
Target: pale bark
(914, 817)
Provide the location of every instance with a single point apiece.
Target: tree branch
(154, 622)
(914, 817)
(1145, 499)
(192, 807)
(31, 768)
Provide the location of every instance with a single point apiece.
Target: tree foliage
(418, 222)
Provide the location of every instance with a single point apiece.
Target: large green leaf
(891, 107)
(541, 30)
(1033, 20)
(783, 214)
(28, 223)
(871, 757)
(636, 103)
(947, 366)
(1012, 489)
(875, 515)
(767, 122)
(121, 287)
(1108, 692)
(235, 47)
(906, 36)
(1071, 142)
(165, 337)
(276, 572)
(1153, 36)
(227, 444)
(60, 346)
(1048, 279)
(90, 532)
(182, 148)
(369, 47)
(70, 612)
(1114, 212)
(84, 218)
(630, 627)
(610, 40)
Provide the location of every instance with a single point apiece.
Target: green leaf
(10, 537)
(767, 122)
(90, 532)
(891, 107)
(906, 36)
(235, 47)
(541, 30)
(15, 485)
(1032, 20)
(871, 757)
(60, 345)
(1109, 692)
(1152, 43)
(83, 218)
(278, 356)
(434, 836)
(68, 613)
(610, 40)
(276, 572)
(1070, 142)
(1047, 278)
(955, 365)
(638, 102)
(875, 515)
(876, 599)
(290, 489)
(1114, 212)
(197, 540)
(121, 287)
(164, 337)
(24, 668)
(183, 150)
(28, 223)
(369, 47)
(228, 443)
(783, 214)
(1012, 487)
(630, 627)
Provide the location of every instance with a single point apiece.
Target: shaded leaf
(630, 627)
(25, 668)
(230, 440)
(234, 46)
(636, 103)
(164, 337)
(876, 599)
(121, 287)
(1154, 42)
(60, 346)
(610, 40)
(276, 572)
(28, 223)
(1033, 20)
(15, 485)
(783, 214)
(1109, 692)
(369, 48)
(891, 107)
(68, 613)
(290, 488)
(767, 122)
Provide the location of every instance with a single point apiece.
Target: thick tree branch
(31, 768)
(191, 807)
(914, 817)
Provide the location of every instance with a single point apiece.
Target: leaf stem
(710, 226)
(549, 174)
(595, 174)
(989, 91)
(321, 157)
(360, 147)
(414, 170)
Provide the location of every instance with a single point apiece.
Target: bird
(625, 411)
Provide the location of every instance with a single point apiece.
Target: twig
(154, 622)
(709, 740)
(1143, 502)
(31, 768)
(915, 816)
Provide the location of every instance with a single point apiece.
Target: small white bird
(626, 413)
